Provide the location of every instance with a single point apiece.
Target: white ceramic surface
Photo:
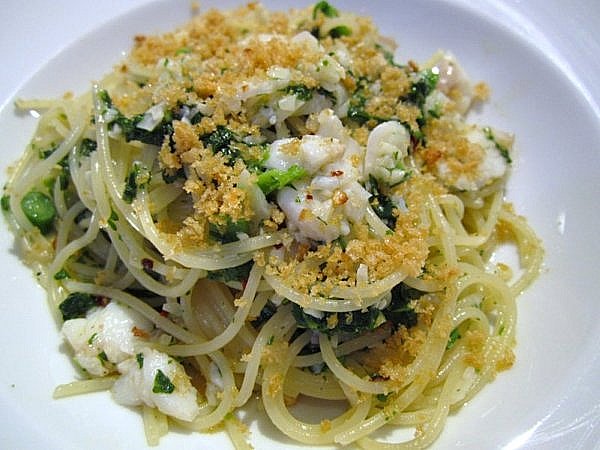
(541, 61)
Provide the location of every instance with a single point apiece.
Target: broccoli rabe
(399, 313)
(274, 179)
(76, 305)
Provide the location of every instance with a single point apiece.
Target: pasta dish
(270, 205)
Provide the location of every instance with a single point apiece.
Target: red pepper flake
(164, 313)
(337, 173)
(102, 301)
(147, 264)
(309, 196)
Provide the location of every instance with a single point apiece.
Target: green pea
(39, 210)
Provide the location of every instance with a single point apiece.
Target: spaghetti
(269, 203)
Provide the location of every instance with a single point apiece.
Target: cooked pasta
(269, 203)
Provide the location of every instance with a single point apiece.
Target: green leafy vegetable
(228, 232)
(220, 141)
(326, 9)
(454, 336)
(39, 210)
(140, 359)
(76, 305)
(162, 383)
(353, 322)
(5, 202)
(301, 91)
(382, 205)
(422, 87)
(138, 178)
(339, 31)
(129, 125)
(238, 273)
(61, 274)
(274, 179)
(399, 311)
(501, 148)
(86, 147)
(114, 217)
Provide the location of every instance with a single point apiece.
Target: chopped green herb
(339, 31)
(238, 273)
(5, 202)
(45, 154)
(61, 275)
(102, 357)
(39, 210)
(138, 178)
(86, 147)
(76, 305)
(220, 141)
(382, 205)
(274, 179)
(383, 397)
(399, 311)
(301, 91)
(114, 217)
(270, 340)
(501, 148)
(129, 125)
(91, 339)
(422, 87)
(140, 359)
(228, 232)
(183, 51)
(326, 9)
(354, 322)
(162, 383)
(454, 336)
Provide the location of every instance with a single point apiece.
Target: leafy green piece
(39, 210)
(382, 205)
(274, 179)
(5, 202)
(399, 311)
(162, 383)
(228, 232)
(128, 125)
(114, 217)
(422, 87)
(301, 91)
(86, 147)
(138, 178)
(220, 141)
(76, 305)
(353, 322)
(139, 357)
(61, 274)
(326, 9)
(454, 336)
(489, 134)
(339, 31)
(238, 273)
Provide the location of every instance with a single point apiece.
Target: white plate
(541, 60)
